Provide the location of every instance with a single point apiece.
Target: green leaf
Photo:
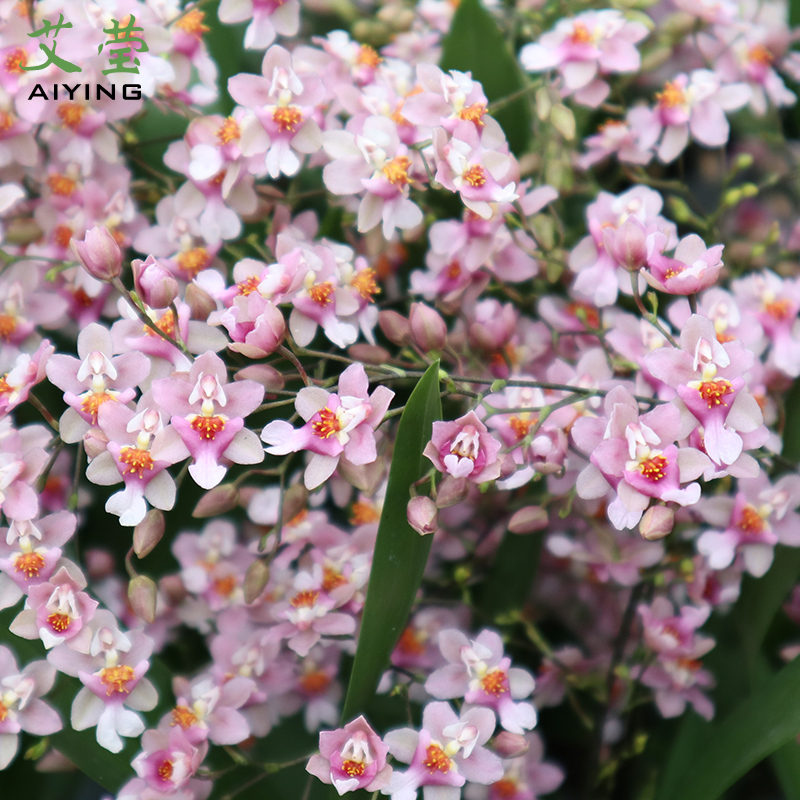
(400, 552)
(512, 573)
(475, 44)
(727, 748)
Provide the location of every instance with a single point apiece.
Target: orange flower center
(713, 392)
(116, 679)
(364, 283)
(305, 599)
(59, 622)
(475, 175)
(92, 402)
(136, 460)
(229, 131)
(520, 425)
(6, 121)
(363, 513)
(4, 387)
(194, 260)
(654, 469)
(751, 521)
(580, 34)
(585, 313)
(166, 324)
(368, 57)
(81, 298)
(287, 118)
(315, 682)
(61, 235)
(70, 114)
(208, 427)
(436, 760)
(61, 185)
(183, 716)
(396, 171)
(192, 23)
(29, 563)
(224, 586)
(761, 55)
(474, 113)
(165, 770)
(8, 324)
(327, 425)
(779, 309)
(16, 60)
(321, 293)
(495, 682)
(411, 642)
(332, 578)
(454, 269)
(3, 711)
(355, 769)
(672, 95)
(248, 286)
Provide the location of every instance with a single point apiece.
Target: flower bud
(428, 329)
(200, 302)
(510, 745)
(528, 520)
(451, 491)
(255, 581)
(627, 244)
(98, 254)
(99, 564)
(218, 500)
(172, 589)
(155, 285)
(147, 534)
(295, 499)
(267, 376)
(369, 354)
(657, 522)
(142, 597)
(395, 327)
(422, 515)
(95, 442)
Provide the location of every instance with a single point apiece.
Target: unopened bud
(422, 515)
(295, 499)
(95, 442)
(528, 520)
(510, 745)
(680, 209)
(200, 302)
(98, 254)
(142, 594)
(657, 522)
(396, 328)
(627, 244)
(428, 329)
(218, 500)
(154, 283)
(147, 534)
(255, 581)
(743, 161)
(369, 354)
(451, 491)
(563, 121)
(172, 589)
(544, 103)
(267, 376)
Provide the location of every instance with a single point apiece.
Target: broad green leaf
(475, 44)
(400, 552)
(511, 573)
(727, 748)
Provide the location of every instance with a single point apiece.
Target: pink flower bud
(172, 589)
(295, 499)
(369, 354)
(422, 515)
(200, 302)
(657, 522)
(142, 597)
(528, 520)
(428, 329)
(510, 745)
(267, 376)
(451, 491)
(95, 442)
(147, 534)
(98, 254)
(395, 327)
(627, 244)
(218, 500)
(255, 581)
(155, 285)
(99, 564)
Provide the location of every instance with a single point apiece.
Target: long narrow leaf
(400, 552)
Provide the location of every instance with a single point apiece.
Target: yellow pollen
(29, 563)
(193, 260)
(475, 175)
(4, 386)
(165, 770)
(331, 579)
(137, 460)
(166, 324)
(364, 283)
(368, 57)
(673, 95)
(6, 121)
(192, 23)
(580, 34)
(16, 60)
(229, 131)
(454, 269)
(315, 682)
(363, 513)
(354, 769)
(116, 679)
(224, 586)
(760, 54)
(474, 113)
(305, 599)
(396, 171)
(520, 425)
(8, 324)
(751, 521)
(61, 185)
(411, 642)
(654, 469)
(436, 760)
(92, 402)
(183, 716)
(327, 425)
(779, 309)
(713, 392)
(673, 272)
(59, 622)
(70, 114)
(495, 682)
(248, 285)
(208, 427)
(321, 293)
(610, 124)
(287, 118)
(3, 711)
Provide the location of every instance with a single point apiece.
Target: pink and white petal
(39, 719)
(160, 491)
(86, 709)
(281, 438)
(303, 328)
(310, 401)
(758, 558)
(9, 742)
(144, 697)
(103, 470)
(245, 448)
(482, 766)
(673, 142)
(402, 744)
(520, 682)
(448, 682)
(369, 212)
(319, 469)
